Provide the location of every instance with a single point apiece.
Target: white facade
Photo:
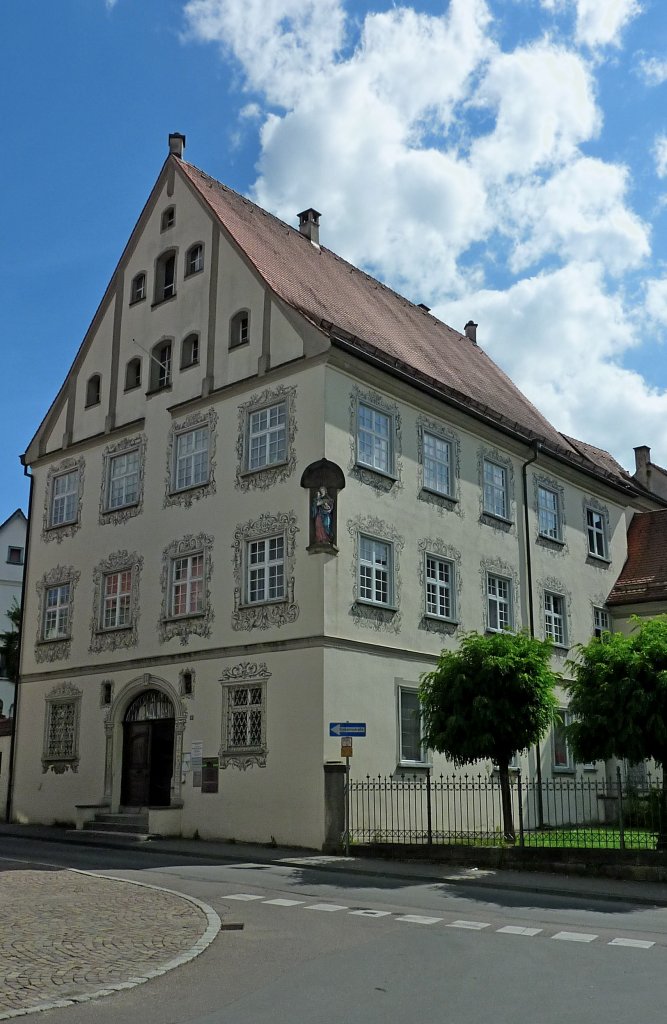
(174, 572)
(12, 555)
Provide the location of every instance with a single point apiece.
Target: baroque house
(269, 492)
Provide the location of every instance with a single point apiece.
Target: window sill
(161, 302)
(188, 366)
(496, 518)
(10, 562)
(491, 629)
(135, 302)
(190, 487)
(598, 558)
(185, 617)
(440, 494)
(193, 273)
(105, 630)
(91, 405)
(239, 344)
(54, 639)
(132, 387)
(562, 770)
(262, 469)
(158, 391)
(414, 766)
(61, 526)
(119, 508)
(544, 538)
(376, 604)
(560, 648)
(441, 618)
(259, 604)
(379, 472)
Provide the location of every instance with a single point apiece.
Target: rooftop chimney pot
(642, 459)
(176, 144)
(471, 331)
(309, 225)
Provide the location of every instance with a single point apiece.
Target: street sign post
(347, 728)
(346, 746)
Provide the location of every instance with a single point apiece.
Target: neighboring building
(641, 588)
(270, 491)
(12, 551)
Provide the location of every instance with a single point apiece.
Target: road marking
(634, 943)
(285, 903)
(515, 929)
(473, 926)
(371, 913)
(574, 936)
(242, 896)
(417, 919)
(326, 906)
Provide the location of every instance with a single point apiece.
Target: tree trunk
(506, 800)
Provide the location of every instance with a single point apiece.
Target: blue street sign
(347, 728)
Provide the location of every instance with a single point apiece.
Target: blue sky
(504, 160)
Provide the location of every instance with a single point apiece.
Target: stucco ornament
(60, 532)
(264, 615)
(437, 547)
(196, 624)
(498, 567)
(112, 639)
(376, 616)
(266, 476)
(506, 524)
(384, 483)
(61, 729)
(556, 546)
(186, 496)
(443, 502)
(57, 649)
(243, 741)
(116, 516)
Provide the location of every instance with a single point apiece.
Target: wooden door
(162, 762)
(135, 791)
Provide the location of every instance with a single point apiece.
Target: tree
(490, 698)
(9, 643)
(618, 697)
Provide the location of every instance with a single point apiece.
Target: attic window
(190, 351)
(138, 290)
(161, 366)
(168, 218)
(194, 261)
(239, 329)
(133, 374)
(165, 277)
(93, 388)
(15, 556)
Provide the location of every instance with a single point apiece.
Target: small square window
(548, 512)
(375, 439)
(15, 556)
(375, 571)
(267, 436)
(495, 490)
(411, 743)
(437, 459)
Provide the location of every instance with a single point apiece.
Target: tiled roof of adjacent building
(644, 575)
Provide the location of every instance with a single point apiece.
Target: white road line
(633, 943)
(371, 913)
(417, 919)
(326, 906)
(242, 896)
(473, 926)
(574, 936)
(285, 903)
(515, 929)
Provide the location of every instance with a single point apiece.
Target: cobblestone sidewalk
(68, 935)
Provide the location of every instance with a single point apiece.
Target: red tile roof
(644, 575)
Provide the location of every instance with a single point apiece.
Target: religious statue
(322, 509)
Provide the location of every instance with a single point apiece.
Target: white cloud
(653, 70)
(656, 300)
(660, 155)
(601, 22)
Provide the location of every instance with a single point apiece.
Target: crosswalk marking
(285, 903)
(418, 919)
(371, 913)
(243, 896)
(515, 929)
(473, 926)
(574, 936)
(633, 943)
(326, 906)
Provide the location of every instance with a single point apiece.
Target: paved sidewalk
(69, 935)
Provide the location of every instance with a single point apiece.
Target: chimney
(176, 144)
(309, 225)
(471, 331)
(642, 462)
(422, 305)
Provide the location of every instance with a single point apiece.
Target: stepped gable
(644, 575)
(329, 291)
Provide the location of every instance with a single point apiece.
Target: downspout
(531, 611)
(17, 687)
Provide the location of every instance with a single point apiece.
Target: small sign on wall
(197, 749)
(210, 773)
(346, 746)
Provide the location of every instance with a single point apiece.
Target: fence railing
(466, 809)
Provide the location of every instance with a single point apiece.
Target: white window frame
(187, 576)
(138, 287)
(600, 621)
(190, 469)
(568, 765)
(125, 502)
(69, 499)
(381, 444)
(437, 466)
(194, 259)
(422, 760)
(375, 576)
(267, 441)
(116, 610)
(495, 599)
(439, 592)
(254, 705)
(547, 515)
(493, 489)
(265, 575)
(61, 609)
(596, 533)
(555, 617)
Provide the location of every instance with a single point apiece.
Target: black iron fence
(584, 812)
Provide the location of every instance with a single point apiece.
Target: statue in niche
(324, 481)
(322, 509)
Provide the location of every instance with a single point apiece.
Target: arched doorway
(148, 751)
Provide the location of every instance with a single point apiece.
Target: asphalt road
(323, 948)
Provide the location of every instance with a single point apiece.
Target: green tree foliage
(9, 643)
(490, 698)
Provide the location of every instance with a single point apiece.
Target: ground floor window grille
(244, 715)
(61, 729)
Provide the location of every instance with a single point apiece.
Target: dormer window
(93, 389)
(133, 374)
(138, 290)
(165, 277)
(239, 329)
(168, 218)
(161, 366)
(194, 261)
(190, 351)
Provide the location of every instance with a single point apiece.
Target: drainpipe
(531, 611)
(17, 688)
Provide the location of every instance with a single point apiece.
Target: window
(93, 388)
(548, 513)
(191, 458)
(267, 436)
(123, 482)
(15, 556)
(245, 711)
(138, 288)
(190, 351)
(375, 571)
(61, 729)
(187, 683)
(499, 602)
(265, 570)
(439, 579)
(562, 753)
(194, 260)
(495, 489)
(554, 618)
(64, 499)
(106, 693)
(165, 277)
(168, 218)
(374, 439)
(600, 622)
(239, 329)
(437, 462)
(411, 748)
(186, 595)
(117, 600)
(133, 374)
(597, 539)
(161, 366)
(56, 612)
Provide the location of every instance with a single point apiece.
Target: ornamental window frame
(65, 527)
(120, 513)
(270, 561)
(374, 575)
(554, 608)
(57, 701)
(186, 493)
(492, 489)
(250, 678)
(549, 518)
(263, 476)
(374, 413)
(440, 588)
(264, 614)
(496, 601)
(597, 533)
(197, 621)
(55, 648)
(110, 637)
